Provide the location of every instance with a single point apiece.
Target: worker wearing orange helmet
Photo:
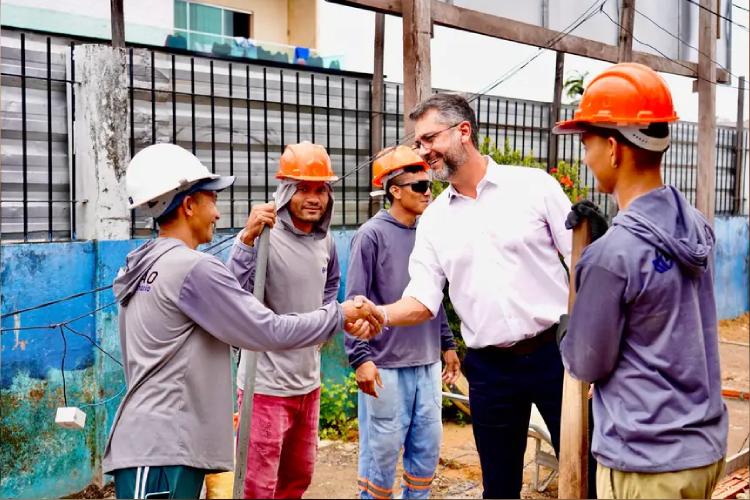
(643, 328)
(303, 274)
(399, 374)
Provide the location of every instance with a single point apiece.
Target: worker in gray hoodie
(399, 373)
(179, 311)
(643, 328)
(302, 258)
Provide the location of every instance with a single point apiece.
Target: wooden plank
(555, 111)
(706, 182)
(474, 21)
(739, 147)
(376, 102)
(574, 423)
(118, 23)
(417, 34)
(625, 39)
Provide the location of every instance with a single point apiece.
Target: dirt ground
(459, 475)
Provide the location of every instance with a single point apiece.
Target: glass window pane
(180, 14)
(205, 19)
(228, 23)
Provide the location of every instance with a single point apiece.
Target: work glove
(587, 210)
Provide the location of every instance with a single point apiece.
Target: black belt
(527, 346)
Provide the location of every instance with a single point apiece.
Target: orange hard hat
(623, 95)
(395, 158)
(306, 162)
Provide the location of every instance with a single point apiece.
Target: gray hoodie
(302, 274)
(180, 309)
(643, 329)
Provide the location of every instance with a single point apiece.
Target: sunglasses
(420, 187)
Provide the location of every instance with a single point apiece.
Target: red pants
(283, 445)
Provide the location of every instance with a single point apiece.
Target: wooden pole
(625, 41)
(417, 27)
(739, 147)
(574, 422)
(251, 357)
(555, 110)
(706, 183)
(118, 23)
(376, 103)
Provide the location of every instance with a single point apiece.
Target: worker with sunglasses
(399, 373)
(495, 236)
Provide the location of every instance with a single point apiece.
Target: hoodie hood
(385, 216)
(284, 193)
(137, 264)
(665, 219)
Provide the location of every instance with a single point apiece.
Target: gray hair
(451, 108)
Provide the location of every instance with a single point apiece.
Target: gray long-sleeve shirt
(643, 329)
(302, 274)
(180, 309)
(379, 270)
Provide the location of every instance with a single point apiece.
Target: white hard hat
(160, 171)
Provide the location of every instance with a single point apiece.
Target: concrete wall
(39, 459)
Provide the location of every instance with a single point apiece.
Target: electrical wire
(718, 15)
(741, 7)
(88, 405)
(62, 365)
(663, 54)
(93, 342)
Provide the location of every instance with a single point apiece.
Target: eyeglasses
(426, 140)
(420, 187)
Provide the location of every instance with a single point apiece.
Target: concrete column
(102, 132)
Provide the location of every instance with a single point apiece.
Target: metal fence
(237, 117)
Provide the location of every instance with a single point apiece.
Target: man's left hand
(452, 368)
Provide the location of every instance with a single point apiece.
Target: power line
(57, 301)
(741, 7)
(717, 14)
(665, 30)
(93, 342)
(663, 54)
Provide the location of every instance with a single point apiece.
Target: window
(206, 24)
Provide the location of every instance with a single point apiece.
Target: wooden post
(739, 147)
(118, 23)
(246, 412)
(376, 104)
(574, 422)
(706, 182)
(555, 110)
(625, 41)
(417, 25)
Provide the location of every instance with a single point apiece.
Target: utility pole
(376, 102)
(118, 24)
(706, 183)
(417, 27)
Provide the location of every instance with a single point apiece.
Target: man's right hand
(362, 318)
(260, 216)
(367, 376)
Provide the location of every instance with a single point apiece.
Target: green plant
(573, 86)
(568, 176)
(338, 408)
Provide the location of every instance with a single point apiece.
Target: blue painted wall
(39, 459)
(732, 279)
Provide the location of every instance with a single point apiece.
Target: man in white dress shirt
(495, 235)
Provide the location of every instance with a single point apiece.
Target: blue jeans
(406, 413)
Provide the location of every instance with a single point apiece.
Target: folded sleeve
(427, 276)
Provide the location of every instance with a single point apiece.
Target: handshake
(362, 318)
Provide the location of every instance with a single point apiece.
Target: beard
(453, 159)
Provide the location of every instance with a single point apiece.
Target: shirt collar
(492, 176)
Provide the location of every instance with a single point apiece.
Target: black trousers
(502, 387)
